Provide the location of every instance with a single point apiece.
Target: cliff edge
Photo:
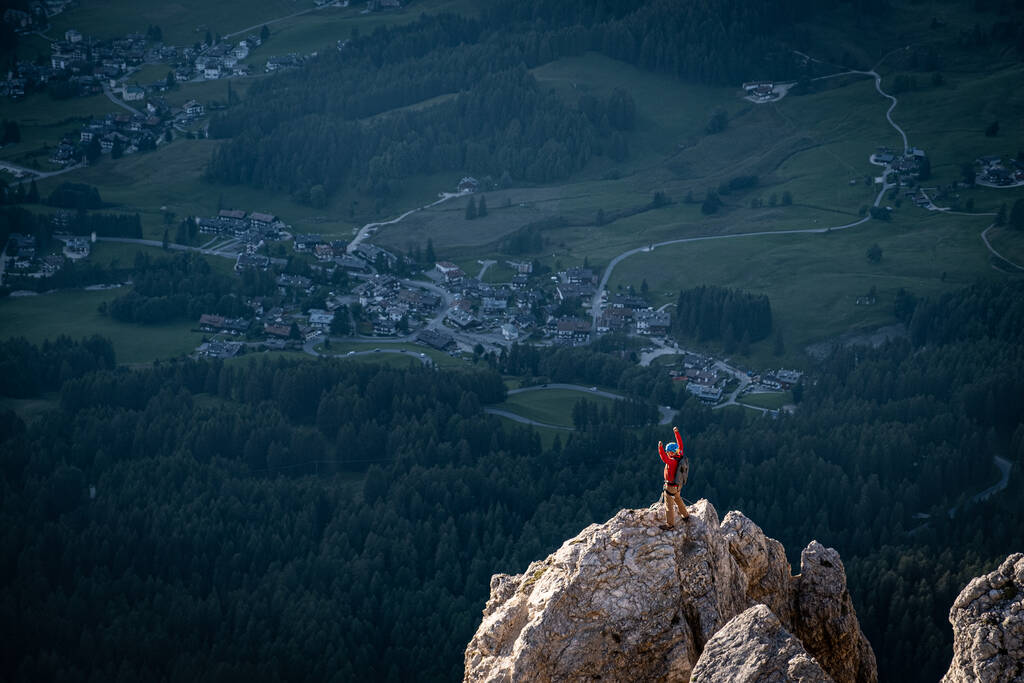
(988, 626)
(626, 601)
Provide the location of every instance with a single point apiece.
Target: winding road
(32, 174)
(173, 246)
(367, 229)
(598, 300)
(119, 102)
(1005, 467)
(988, 245)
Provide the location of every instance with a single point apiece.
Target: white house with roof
(449, 271)
(132, 93)
(320, 319)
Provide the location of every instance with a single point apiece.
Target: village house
(248, 261)
(193, 109)
(469, 184)
(132, 93)
(373, 255)
(760, 90)
(279, 331)
(573, 292)
(435, 339)
(509, 332)
(494, 304)
(76, 248)
(579, 276)
(652, 323)
(451, 273)
(707, 394)
(461, 318)
(320, 319)
(233, 219)
(262, 221)
(572, 332)
(300, 283)
(218, 349)
(323, 252)
(384, 327)
(306, 242)
(786, 378)
(521, 267)
(615, 320)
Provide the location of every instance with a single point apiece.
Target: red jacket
(671, 463)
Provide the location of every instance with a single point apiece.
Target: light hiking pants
(672, 500)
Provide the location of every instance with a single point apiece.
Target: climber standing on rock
(677, 467)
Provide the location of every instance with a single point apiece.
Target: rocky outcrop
(625, 601)
(754, 646)
(988, 626)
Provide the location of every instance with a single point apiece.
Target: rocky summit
(626, 601)
(988, 627)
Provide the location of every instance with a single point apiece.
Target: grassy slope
(811, 146)
(182, 22)
(1009, 243)
(74, 313)
(550, 406)
(813, 280)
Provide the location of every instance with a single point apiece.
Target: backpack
(682, 471)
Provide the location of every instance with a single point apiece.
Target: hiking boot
(667, 527)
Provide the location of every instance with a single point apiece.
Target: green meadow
(550, 406)
(74, 313)
(813, 280)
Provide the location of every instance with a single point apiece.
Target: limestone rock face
(754, 646)
(988, 627)
(824, 619)
(626, 601)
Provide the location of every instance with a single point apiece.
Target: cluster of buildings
(252, 227)
(288, 61)
(220, 60)
(84, 64)
(760, 91)
(22, 258)
(702, 378)
(705, 380)
(906, 166)
(631, 313)
(993, 171)
(128, 133)
(392, 307)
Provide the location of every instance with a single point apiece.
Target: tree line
(311, 131)
(278, 519)
(182, 286)
(716, 313)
